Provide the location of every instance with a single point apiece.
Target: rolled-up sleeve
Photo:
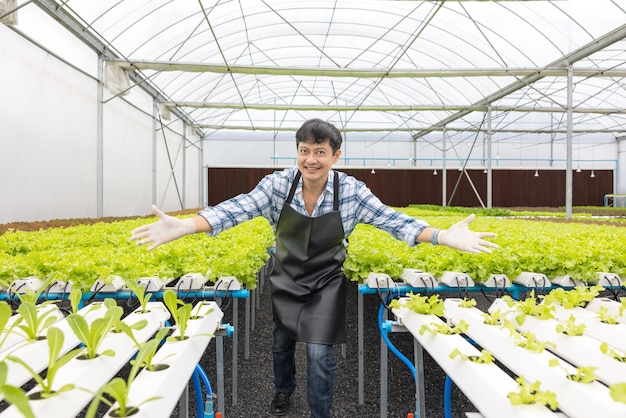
(240, 208)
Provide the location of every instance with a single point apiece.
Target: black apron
(307, 284)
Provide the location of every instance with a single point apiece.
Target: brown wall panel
(402, 187)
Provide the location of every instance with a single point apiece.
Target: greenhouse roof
(366, 65)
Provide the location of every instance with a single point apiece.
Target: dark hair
(318, 131)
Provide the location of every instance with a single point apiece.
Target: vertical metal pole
(246, 335)
(235, 338)
(361, 371)
(154, 151)
(568, 168)
(384, 356)
(184, 196)
(420, 398)
(219, 366)
(444, 174)
(183, 403)
(489, 174)
(100, 140)
(202, 185)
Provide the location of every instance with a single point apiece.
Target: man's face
(316, 160)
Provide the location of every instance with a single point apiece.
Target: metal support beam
(76, 28)
(621, 130)
(444, 172)
(568, 164)
(100, 140)
(335, 72)
(562, 63)
(489, 172)
(390, 108)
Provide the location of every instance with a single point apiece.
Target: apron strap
(336, 192)
(294, 186)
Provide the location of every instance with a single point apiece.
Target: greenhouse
(124, 120)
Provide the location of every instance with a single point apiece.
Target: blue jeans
(321, 365)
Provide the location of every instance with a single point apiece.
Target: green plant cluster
(554, 249)
(85, 253)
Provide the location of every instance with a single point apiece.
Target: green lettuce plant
(92, 335)
(618, 392)
(606, 317)
(571, 298)
(33, 320)
(485, 356)
(140, 292)
(445, 329)
(181, 313)
(582, 375)
(493, 318)
(571, 328)
(118, 389)
(55, 340)
(423, 305)
(608, 351)
(527, 340)
(5, 314)
(149, 350)
(14, 395)
(529, 393)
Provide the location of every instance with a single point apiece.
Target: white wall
(48, 143)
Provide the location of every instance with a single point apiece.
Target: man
(312, 209)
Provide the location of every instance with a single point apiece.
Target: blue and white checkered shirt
(357, 204)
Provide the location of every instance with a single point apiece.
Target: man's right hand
(166, 229)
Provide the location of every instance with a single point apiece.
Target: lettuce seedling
(528, 340)
(34, 321)
(92, 335)
(140, 292)
(421, 304)
(55, 339)
(493, 318)
(181, 314)
(578, 296)
(119, 389)
(484, 358)
(529, 393)
(616, 355)
(582, 375)
(604, 316)
(571, 328)
(14, 395)
(618, 392)
(445, 329)
(150, 348)
(5, 314)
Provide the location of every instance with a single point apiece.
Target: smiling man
(313, 209)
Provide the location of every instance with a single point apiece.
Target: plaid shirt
(357, 204)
